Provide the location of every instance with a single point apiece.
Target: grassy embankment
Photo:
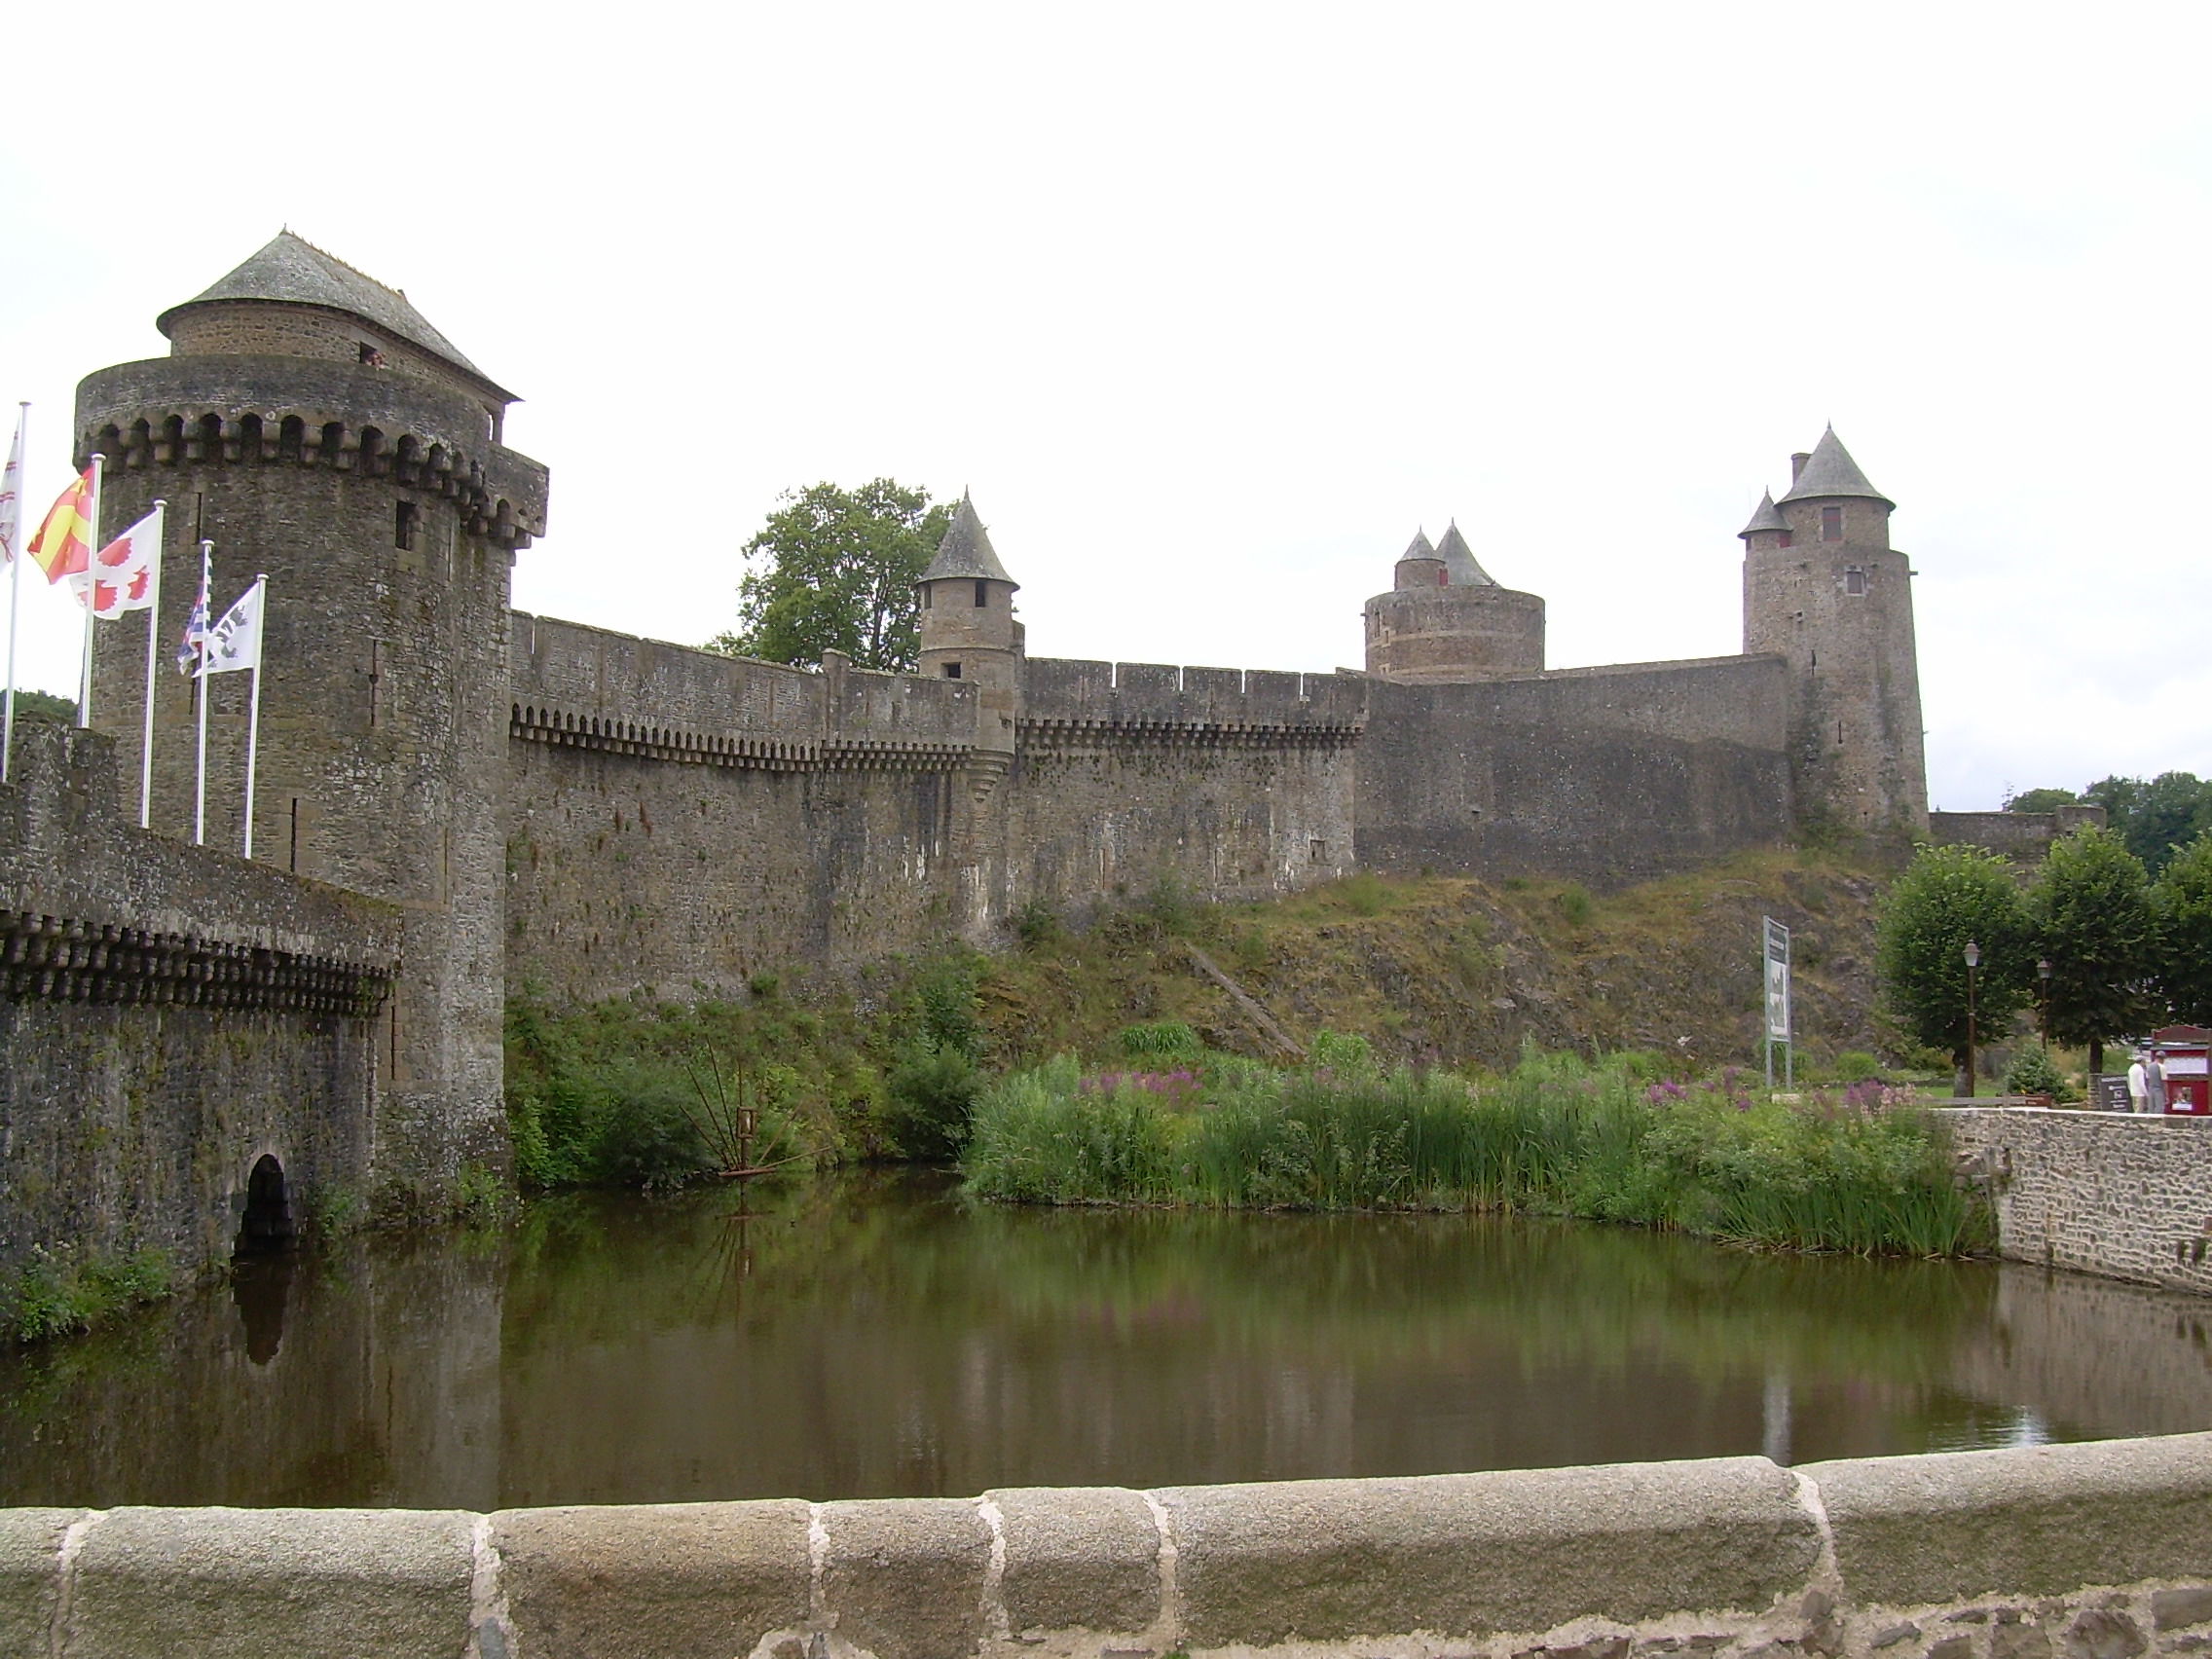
(1435, 973)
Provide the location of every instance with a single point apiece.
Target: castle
(546, 803)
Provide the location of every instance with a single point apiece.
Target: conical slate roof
(294, 272)
(1460, 560)
(965, 550)
(1832, 472)
(1420, 547)
(1768, 517)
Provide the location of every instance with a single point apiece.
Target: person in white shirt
(2138, 1084)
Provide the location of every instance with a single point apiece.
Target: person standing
(2154, 1085)
(2138, 1082)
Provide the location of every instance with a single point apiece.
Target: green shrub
(1574, 903)
(1855, 1065)
(59, 1292)
(932, 1094)
(2033, 1072)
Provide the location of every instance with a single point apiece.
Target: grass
(1612, 1140)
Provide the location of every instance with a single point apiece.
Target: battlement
(584, 687)
(1069, 699)
(176, 411)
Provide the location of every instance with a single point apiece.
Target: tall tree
(2182, 899)
(2157, 818)
(834, 569)
(1946, 898)
(2090, 907)
(2042, 801)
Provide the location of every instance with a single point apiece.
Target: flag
(62, 545)
(235, 641)
(195, 627)
(122, 576)
(12, 501)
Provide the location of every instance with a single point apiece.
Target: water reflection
(871, 1336)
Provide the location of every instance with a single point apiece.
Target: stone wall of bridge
(169, 1016)
(2099, 1550)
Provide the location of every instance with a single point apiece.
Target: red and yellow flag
(63, 544)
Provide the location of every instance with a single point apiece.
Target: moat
(873, 1336)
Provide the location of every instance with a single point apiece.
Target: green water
(873, 1336)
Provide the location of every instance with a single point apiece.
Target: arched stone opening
(267, 1224)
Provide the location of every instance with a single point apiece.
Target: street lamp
(2042, 973)
(1973, 955)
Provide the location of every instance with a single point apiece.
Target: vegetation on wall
(60, 1292)
(834, 569)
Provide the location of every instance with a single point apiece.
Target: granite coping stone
(1511, 1550)
(2024, 1521)
(30, 1576)
(903, 1577)
(1078, 1558)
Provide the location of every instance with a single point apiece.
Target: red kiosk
(2186, 1053)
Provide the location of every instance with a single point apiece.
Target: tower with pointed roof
(314, 425)
(969, 633)
(1447, 619)
(1825, 591)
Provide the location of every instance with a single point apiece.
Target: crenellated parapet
(1068, 702)
(177, 412)
(68, 959)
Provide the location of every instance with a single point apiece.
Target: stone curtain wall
(1234, 785)
(2099, 1192)
(2100, 1551)
(2022, 837)
(169, 1014)
(1609, 775)
(679, 820)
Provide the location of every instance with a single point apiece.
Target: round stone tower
(1446, 619)
(1825, 591)
(969, 633)
(316, 427)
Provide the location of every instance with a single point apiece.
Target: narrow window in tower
(1787, 538)
(404, 525)
(983, 597)
(1854, 581)
(371, 356)
(1832, 523)
(924, 599)
(1839, 734)
(1321, 851)
(953, 671)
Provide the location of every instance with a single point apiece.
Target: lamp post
(2042, 977)
(1973, 955)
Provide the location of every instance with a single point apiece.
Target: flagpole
(199, 685)
(153, 632)
(253, 707)
(92, 552)
(14, 590)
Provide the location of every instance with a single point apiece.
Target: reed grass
(1865, 1172)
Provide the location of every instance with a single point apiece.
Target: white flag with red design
(12, 499)
(122, 574)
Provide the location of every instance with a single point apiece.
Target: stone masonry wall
(2022, 837)
(1608, 775)
(677, 821)
(168, 1015)
(2099, 1192)
(1235, 785)
(2099, 1550)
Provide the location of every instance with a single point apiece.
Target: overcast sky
(1213, 305)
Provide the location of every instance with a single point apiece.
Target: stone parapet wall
(589, 687)
(2023, 836)
(169, 1014)
(1069, 696)
(2099, 1550)
(2098, 1191)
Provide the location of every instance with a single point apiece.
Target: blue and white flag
(195, 625)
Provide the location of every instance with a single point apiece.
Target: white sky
(1213, 305)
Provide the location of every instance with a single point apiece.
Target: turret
(1825, 590)
(314, 426)
(967, 626)
(1447, 619)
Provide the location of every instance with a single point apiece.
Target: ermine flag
(235, 641)
(121, 574)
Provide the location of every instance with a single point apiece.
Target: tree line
(2126, 950)
(2155, 819)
